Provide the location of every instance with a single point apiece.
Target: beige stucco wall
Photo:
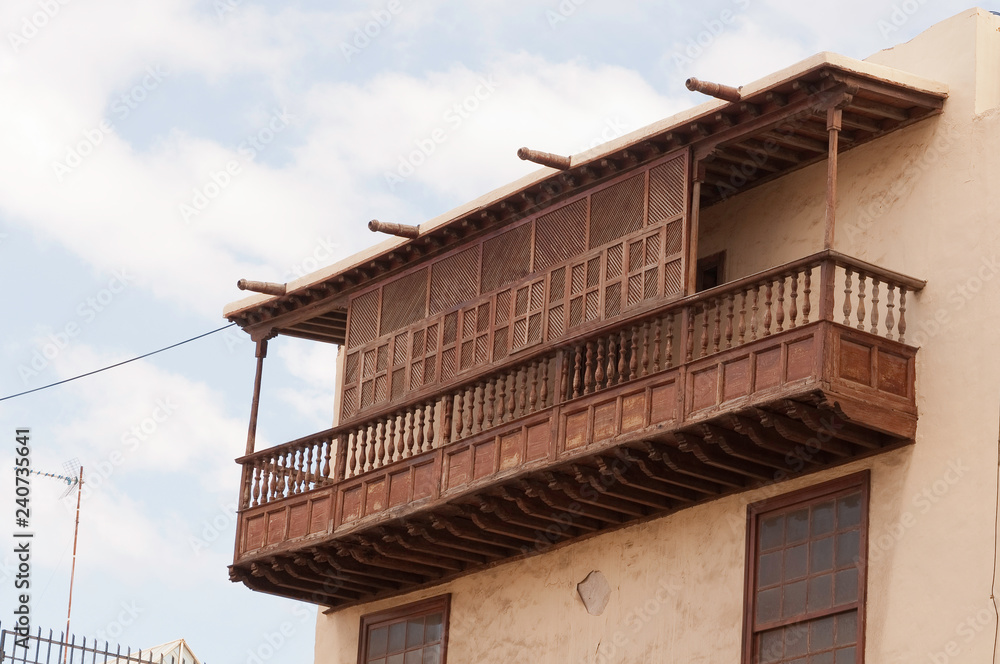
(922, 201)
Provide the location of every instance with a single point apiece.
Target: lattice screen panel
(617, 210)
(506, 258)
(454, 280)
(667, 190)
(559, 235)
(404, 301)
(364, 319)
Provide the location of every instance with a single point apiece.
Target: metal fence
(55, 649)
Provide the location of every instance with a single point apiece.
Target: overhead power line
(112, 366)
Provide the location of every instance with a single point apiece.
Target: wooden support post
(691, 278)
(260, 354)
(834, 118)
(828, 273)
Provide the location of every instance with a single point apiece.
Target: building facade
(719, 390)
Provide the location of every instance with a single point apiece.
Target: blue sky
(153, 153)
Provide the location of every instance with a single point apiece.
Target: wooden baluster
(271, 473)
(645, 348)
(704, 329)
(612, 358)
(730, 314)
(446, 405)
(668, 360)
(633, 362)
(255, 486)
(394, 437)
(460, 411)
(533, 396)
(390, 441)
(512, 394)
(806, 292)
(470, 410)
(359, 451)
(861, 300)
(622, 355)
(349, 457)
(717, 332)
(890, 321)
(599, 369)
(289, 475)
(327, 452)
(418, 431)
(793, 309)
(475, 412)
(544, 394)
(480, 406)
(901, 326)
(522, 405)
(429, 437)
(741, 327)
(874, 316)
(588, 373)
(564, 378)
(305, 473)
(847, 296)
(689, 350)
(501, 409)
(753, 312)
(491, 394)
(657, 338)
(296, 471)
(779, 316)
(767, 308)
(578, 372)
(380, 446)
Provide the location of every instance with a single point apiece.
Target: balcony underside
(791, 403)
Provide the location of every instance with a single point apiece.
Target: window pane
(770, 646)
(847, 586)
(796, 562)
(432, 628)
(822, 658)
(797, 526)
(414, 632)
(796, 640)
(413, 657)
(794, 599)
(822, 519)
(394, 659)
(380, 660)
(768, 604)
(821, 555)
(847, 628)
(377, 641)
(846, 656)
(821, 634)
(769, 569)
(821, 592)
(397, 637)
(848, 548)
(849, 511)
(432, 655)
(772, 532)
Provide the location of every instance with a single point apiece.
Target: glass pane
(848, 545)
(795, 599)
(769, 647)
(797, 526)
(414, 632)
(822, 519)
(849, 511)
(847, 628)
(377, 641)
(432, 628)
(394, 659)
(795, 562)
(847, 586)
(413, 657)
(820, 592)
(380, 660)
(821, 555)
(822, 658)
(772, 532)
(769, 570)
(846, 656)
(768, 604)
(821, 634)
(397, 637)
(796, 640)
(800, 660)
(432, 655)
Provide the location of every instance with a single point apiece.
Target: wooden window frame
(860, 481)
(422, 607)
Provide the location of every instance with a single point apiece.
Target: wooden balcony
(785, 372)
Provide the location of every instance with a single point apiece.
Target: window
(806, 567)
(412, 634)
(710, 271)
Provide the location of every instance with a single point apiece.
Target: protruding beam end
(556, 161)
(265, 287)
(717, 90)
(402, 230)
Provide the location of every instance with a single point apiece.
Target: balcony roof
(774, 129)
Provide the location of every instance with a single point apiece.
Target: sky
(153, 153)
